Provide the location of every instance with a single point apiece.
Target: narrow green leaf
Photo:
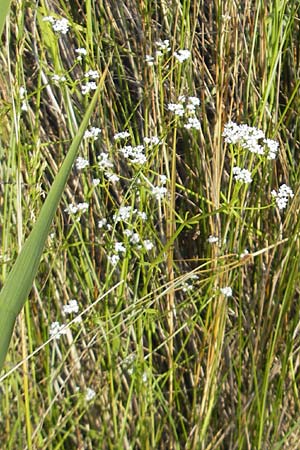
(4, 8)
(19, 281)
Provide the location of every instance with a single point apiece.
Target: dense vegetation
(165, 313)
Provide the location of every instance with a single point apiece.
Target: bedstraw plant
(149, 225)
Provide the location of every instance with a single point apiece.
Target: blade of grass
(19, 281)
(4, 8)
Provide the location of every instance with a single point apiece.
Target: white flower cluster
(154, 140)
(212, 239)
(189, 285)
(88, 87)
(182, 55)
(242, 175)
(186, 107)
(89, 394)
(23, 93)
(121, 135)
(193, 123)
(227, 291)
(282, 196)
(80, 207)
(159, 192)
(126, 212)
(113, 259)
(104, 162)
(135, 154)
(149, 60)
(80, 52)
(93, 74)
(250, 138)
(81, 163)
(70, 307)
(102, 223)
(112, 177)
(92, 133)
(162, 48)
(176, 108)
(57, 330)
(58, 25)
(58, 78)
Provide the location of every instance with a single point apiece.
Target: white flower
(234, 134)
(128, 232)
(187, 287)
(121, 135)
(58, 78)
(83, 207)
(88, 87)
(148, 244)
(112, 177)
(159, 192)
(104, 162)
(242, 175)
(135, 239)
(89, 394)
(282, 196)
(144, 377)
(272, 148)
(193, 123)
(119, 247)
(93, 74)
(248, 138)
(149, 60)
(195, 101)
(58, 25)
(73, 209)
(92, 133)
(227, 291)
(24, 106)
(212, 239)
(244, 253)
(102, 223)
(134, 154)
(48, 19)
(61, 26)
(163, 46)
(163, 179)
(176, 108)
(142, 215)
(113, 259)
(22, 92)
(81, 51)
(124, 214)
(56, 330)
(182, 55)
(81, 163)
(152, 140)
(96, 181)
(71, 307)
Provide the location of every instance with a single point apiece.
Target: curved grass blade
(19, 281)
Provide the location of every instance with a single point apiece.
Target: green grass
(173, 362)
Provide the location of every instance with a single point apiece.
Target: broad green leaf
(4, 8)
(19, 281)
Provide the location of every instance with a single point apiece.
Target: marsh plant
(149, 212)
